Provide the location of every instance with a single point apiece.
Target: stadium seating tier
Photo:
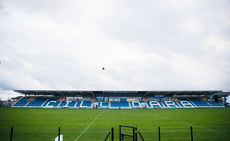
(55, 102)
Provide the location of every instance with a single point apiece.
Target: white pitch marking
(88, 126)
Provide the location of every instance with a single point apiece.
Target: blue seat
(123, 104)
(37, 102)
(71, 104)
(136, 104)
(78, 103)
(213, 103)
(86, 104)
(63, 103)
(22, 102)
(199, 102)
(103, 105)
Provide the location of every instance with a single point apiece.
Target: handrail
(127, 126)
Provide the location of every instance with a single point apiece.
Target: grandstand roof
(86, 93)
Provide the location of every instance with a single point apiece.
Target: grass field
(209, 124)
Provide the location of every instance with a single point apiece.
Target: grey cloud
(158, 45)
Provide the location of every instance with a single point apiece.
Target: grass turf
(211, 124)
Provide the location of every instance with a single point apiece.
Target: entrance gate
(134, 134)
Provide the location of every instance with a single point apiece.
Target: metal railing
(134, 134)
(112, 135)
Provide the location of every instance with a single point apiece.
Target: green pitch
(212, 124)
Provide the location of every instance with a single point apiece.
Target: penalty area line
(88, 126)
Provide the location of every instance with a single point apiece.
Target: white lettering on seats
(154, 104)
(186, 104)
(103, 106)
(67, 103)
(171, 104)
(136, 102)
(50, 102)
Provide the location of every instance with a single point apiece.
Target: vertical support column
(133, 134)
(119, 132)
(11, 133)
(136, 134)
(191, 133)
(159, 133)
(112, 134)
(59, 130)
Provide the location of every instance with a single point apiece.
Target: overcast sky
(143, 45)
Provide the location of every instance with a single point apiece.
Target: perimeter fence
(29, 133)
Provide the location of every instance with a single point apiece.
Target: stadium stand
(56, 103)
(120, 99)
